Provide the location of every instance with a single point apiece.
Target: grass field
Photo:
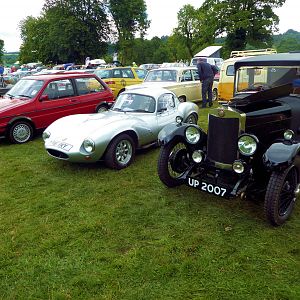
(72, 231)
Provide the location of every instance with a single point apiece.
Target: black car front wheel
(172, 163)
(281, 196)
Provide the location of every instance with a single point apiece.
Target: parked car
(34, 102)
(118, 78)
(226, 78)
(149, 66)
(252, 146)
(183, 81)
(133, 122)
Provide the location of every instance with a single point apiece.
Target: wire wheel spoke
(21, 132)
(174, 159)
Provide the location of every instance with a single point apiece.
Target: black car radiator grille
(222, 139)
(57, 154)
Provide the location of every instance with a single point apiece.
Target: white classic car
(133, 122)
(182, 81)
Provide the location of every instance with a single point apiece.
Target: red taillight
(110, 82)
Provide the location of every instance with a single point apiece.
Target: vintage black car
(252, 145)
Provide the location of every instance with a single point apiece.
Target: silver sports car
(133, 122)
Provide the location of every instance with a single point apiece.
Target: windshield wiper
(9, 95)
(25, 96)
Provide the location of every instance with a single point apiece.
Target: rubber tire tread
(272, 196)
(162, 166)
(10, 130)
(110, 157)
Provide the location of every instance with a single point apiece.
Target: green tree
(243, 21)
(194, 30)
(129, 18)
(1, 50)
(68, 30)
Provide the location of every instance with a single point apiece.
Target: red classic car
(37, 101)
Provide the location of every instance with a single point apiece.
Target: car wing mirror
(44, 98)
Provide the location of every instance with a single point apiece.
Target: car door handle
(73, 100)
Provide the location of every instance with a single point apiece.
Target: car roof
(59, 76)
(174, 68)
(151, 91)
(281, 59)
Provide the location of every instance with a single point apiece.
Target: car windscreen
(27, 88)
(105, 73)
(134, 103)
(253, 79)
(161, 75)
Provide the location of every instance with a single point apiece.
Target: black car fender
(177, 131)
(170, 131)
(281, 155)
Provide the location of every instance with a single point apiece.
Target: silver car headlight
(247, 144)
(46, 135)
(192, 134)
(88, 145)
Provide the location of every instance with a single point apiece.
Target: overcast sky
(162, 13)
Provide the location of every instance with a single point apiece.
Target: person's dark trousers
(207, 91)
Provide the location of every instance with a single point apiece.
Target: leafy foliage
(243, 21)
(193, 30)
(68, 31)
(130, 18)
(1, 50)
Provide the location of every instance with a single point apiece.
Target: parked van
(226, 80)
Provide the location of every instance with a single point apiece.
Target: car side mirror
(44, 98)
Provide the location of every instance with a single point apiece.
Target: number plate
(61, 145)
(207, 187)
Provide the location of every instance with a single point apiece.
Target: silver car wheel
(21, 133)
(123, 152)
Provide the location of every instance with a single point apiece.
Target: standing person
(206, 73)
(1, 76)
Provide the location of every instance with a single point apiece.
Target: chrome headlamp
(179, 120)
(88, 145)
(238, 167)
(198, 156)
(192, 134)
(288, 134)
(46, 135)
(247, 144)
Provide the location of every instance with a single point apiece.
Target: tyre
(101, 108)
(120, 152)
(281, 196)
(20, 132)
(172, 163)
(181, 99)
(191, 119)
(215, 95)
